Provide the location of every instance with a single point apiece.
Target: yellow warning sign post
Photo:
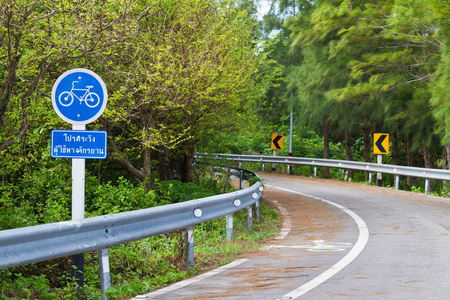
(277, 145)
(380, 148)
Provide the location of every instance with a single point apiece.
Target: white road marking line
(319, 245)
(286, 223)
(346, 260)
(186, 282)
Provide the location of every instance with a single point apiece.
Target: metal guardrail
(49, 241)
(342, 164)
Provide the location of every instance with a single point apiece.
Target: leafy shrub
(111, 198)
(175, 191)
(136, 267)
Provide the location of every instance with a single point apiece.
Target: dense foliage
(359, 67)
(175, 72)
(141, 266)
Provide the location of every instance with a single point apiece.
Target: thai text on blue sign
(79, 144)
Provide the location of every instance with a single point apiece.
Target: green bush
(136, 267)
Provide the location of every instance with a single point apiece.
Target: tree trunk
(348, 150)
(447, 150)
(409, 157)
(445, 165)
(175, 165)
(394, 154)
(169, 165)
(427, 161)
(447, 156)
(394, 151)
(117, 154)
(326, 146)
(188, 172)
(367, 146)
(427, 156)
(147, 168)
(374, 127)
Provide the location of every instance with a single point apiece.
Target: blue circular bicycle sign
(79, 96)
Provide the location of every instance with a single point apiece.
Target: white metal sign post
(79, 97)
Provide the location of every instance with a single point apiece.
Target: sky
(264, 7)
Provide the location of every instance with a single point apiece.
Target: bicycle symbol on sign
(92, 99)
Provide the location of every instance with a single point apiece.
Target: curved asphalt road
(340, 241)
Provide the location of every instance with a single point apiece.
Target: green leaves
(377, 58)
(174, 70)
(181, 71)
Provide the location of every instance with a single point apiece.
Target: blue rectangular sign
(79, 144)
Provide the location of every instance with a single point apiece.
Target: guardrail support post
(257, 209)
(315, 172)
(189, 247)
(249, 218)
(229, 223)
(263, 167)
(227, 178)
(397, 182)
(241, 180)
(370, 177)
(78, 273)
(249, 209)
(105, 275)
(427, 185)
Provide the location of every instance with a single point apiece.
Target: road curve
(339, 241)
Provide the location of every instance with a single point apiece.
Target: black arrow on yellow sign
(277, 141)
(381, 143)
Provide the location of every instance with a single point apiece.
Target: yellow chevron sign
(277, 141)
(380, 143)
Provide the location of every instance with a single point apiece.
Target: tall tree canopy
(175, 70)
(371, 65)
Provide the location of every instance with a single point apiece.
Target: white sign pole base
(78, 185)
(379, 175)
(78, 179)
